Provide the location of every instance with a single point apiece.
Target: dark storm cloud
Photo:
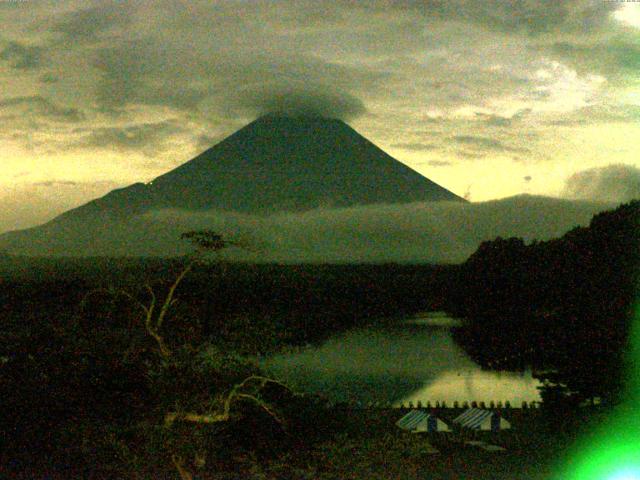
(528, 16)
(300, 100)
(296, 26)
(55, 183)
(575, 119)
(243, 82)
(88, 23)
(139, 72)
(39, 106)
(613, 183)
(124, 70)
(416, 147)
(22, 57)
(470, 155)
(291, 82)
(146, 137)
(593, 114)
(211, 58)
(497, 120)
(607, 57)
(538, 17)
(439, 163)
(485, 143)
(500, 121)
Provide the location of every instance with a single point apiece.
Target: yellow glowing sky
(484, 99)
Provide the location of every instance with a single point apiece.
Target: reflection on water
(414, 361)
(478, 385)
(434, 319)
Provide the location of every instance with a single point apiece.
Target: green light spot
(626, 474)
(612, 452)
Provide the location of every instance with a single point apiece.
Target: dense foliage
(85, 388)
(563, 306)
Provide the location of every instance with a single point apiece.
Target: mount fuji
(274, 164)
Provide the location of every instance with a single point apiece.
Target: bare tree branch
(179, 464)
(168, 301)
(233, 395)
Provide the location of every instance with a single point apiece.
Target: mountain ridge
(274, 164)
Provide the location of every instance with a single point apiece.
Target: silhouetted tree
(563, 306)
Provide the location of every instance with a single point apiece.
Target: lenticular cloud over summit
(297, 100)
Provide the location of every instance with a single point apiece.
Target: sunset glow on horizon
(486, 100)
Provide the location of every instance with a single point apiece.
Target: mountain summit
(274, 164)
(281, 163)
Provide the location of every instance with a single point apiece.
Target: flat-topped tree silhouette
(208, 240)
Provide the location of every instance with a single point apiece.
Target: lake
(413, 360)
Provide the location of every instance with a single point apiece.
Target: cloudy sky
(488, 98)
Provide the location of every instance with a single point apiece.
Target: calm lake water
(415, 360)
